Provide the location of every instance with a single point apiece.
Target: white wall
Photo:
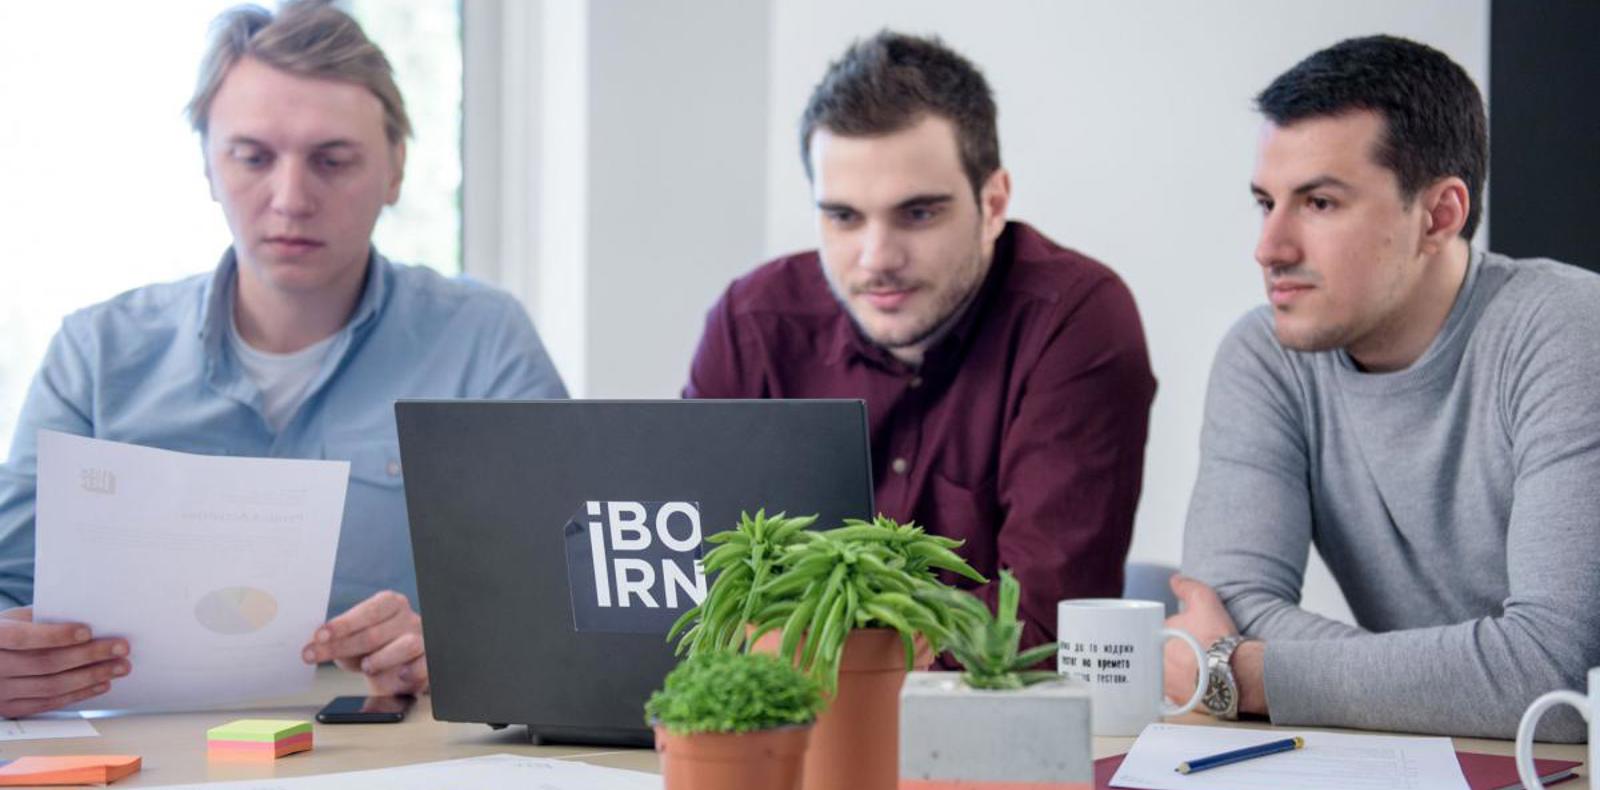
(1127, 127)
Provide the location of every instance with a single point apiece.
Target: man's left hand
(1202, 615)
(381, 638)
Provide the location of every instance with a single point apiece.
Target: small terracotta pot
(855, 744)
(733, 761)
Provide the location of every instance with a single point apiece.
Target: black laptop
(556, 541)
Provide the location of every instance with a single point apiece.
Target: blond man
(296, 345)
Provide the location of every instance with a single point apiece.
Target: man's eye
(250, 157)
(331, 163)
(1319, 203)
(839, 216)
(921, 213)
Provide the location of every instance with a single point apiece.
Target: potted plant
(845, 605)
(729, 721)
(1000, 722)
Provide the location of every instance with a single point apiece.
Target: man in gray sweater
(1427, 414)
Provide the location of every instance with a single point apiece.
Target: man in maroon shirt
(1007, 386)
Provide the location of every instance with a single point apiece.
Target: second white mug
(1115, 646)
(1589, 706)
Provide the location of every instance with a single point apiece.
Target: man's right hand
(48, 666)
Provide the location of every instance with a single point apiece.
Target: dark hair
(888, 82)
(1433, 114)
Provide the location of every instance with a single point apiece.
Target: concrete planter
(952, 736)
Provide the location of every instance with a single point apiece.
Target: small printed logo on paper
(98, 481)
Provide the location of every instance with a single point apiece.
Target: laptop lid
(556, 541)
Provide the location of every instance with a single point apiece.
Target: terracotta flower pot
(733, 761)
(855, 744)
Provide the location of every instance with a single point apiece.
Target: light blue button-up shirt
(153, 367)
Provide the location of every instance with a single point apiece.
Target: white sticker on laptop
(632, 566)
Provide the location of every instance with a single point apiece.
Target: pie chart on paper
(236, 610)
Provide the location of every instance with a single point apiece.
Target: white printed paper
(1329, 761)
(480, 773)
(50, 725)
(217, 570)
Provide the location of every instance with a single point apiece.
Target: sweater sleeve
(1248, 533)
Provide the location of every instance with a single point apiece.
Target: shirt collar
(217, 306)
(848, 341)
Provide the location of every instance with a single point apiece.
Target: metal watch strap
(1222, 688)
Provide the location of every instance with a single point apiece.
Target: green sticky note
(264, 730)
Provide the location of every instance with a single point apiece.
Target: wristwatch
(1222, 690)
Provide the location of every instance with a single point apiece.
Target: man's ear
(1445, 206)
(994, 199)
(205, 167)
(397, 157)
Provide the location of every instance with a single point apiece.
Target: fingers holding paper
(44, 666)
(381, 638)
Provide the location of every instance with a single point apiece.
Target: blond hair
(308, 38)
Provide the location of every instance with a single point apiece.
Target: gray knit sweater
(1457, 503)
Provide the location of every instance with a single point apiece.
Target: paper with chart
(217, 570)
(492, 772)
(1329, 761)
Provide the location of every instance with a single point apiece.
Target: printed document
(493, 772)
(1329, 761)
(217, 570)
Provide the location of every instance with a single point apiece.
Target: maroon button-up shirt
(1022, 432)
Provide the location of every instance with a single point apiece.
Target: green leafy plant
(987, 644)
(744, 559)
(815, 587)
(729, 692)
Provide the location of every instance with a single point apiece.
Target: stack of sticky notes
(266, 738)
(96, 769)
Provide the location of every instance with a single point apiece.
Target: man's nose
(293, 189)
(881, 249)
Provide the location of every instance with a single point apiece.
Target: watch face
(1219, 696)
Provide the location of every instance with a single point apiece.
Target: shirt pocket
(967, 513)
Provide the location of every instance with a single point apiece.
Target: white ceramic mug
(1588, 706)
(1115, 646)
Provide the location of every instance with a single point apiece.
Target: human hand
(381, 638)
(44, 666)
(1202, 615)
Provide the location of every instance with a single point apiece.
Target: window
(103, 188)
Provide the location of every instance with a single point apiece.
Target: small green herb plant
(730, 692)
(815, 587)
(987, 644)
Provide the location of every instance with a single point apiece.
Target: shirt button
(915, 382)
(393, 468)
(899, 466)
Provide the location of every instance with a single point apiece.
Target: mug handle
(1167, 708)
(1530, 719)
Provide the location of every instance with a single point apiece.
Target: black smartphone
(365, 710)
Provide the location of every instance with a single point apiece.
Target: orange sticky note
(94, 769)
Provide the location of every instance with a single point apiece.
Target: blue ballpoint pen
(1247, 753)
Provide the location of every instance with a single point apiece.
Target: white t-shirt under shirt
(284, 379)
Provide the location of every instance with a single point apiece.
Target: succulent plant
(815, 587)
(987, 644)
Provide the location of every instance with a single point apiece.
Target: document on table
(491, 772)
(1329, 761)
(50, 725)
(217, 570)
